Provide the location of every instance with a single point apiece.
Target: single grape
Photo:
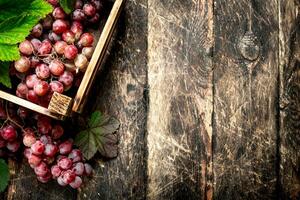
(53, 2)
(57, 132)
(59, 26)
(36, 43)
(41, 169)
(29, 139)
(44, 125)
(89, 10)
(37, 30)
(94, 19)
(88, 52)
(47, 22)
(56, 86)
(70, 52)
(23, 112)
(68, 176)
(78, 4)
(53, 37)
(70, 66)
(60, 181)
(75, 155)
(33, 160)
(81, 62)
(65, 147)
(23, 64)
(50, 150)
(44, 179)
(31, 80)
(28, 130)
(38, 148)
(32, 97)
(45, 139)
(77, 29)
(78, 15)
(56, 67)
(26, 47)
(65, 163)
(42, 71)
(88, 170)
(34, 61)
(9, 133)
(41, 88)
(46, 47)
(22, 89)
(76, 183)
(78, 168)
(13, 146)
(59, 13)
(55, 171)
(86, 40)
(60, 46)
(68, 37)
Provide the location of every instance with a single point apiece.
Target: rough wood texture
(290, 98)
(245, 99)
(60, 104)
(122, 92)
(180, 99)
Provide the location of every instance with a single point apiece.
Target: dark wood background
(208, 96)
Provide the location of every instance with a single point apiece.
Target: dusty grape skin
(70, 52)
(65, 147)
(66, 78)
(68, 176)
(78, 168)
(60, 46)
(76, 183)
(55, 171)
(26, 47)
(65, 163)
(60, 181)
(50, 150)
(59, 26)
(59, 13)
(42, 71)
(37, 30)
(45, 48)
(9, 133)
(56, 86)
(68, 37)
(31, 80)
(56, 67)
(89, 10)
(88, 170)
(23, 64)
(75, 155)
(41, 88)
(78, 15)
(38, 148)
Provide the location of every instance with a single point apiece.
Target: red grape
(78, 15)
(13, 146)
(78, 4)
(60, 46)
(29, 139)
(86, 40)
(26, 48)
(94, 19)
(70, 66)
(46, 47)
(56, 67)
(65, 163)
(53, 37)
(57, 132)
(41, 169)
(50, 150)
(68, 37)
(78, 168)
(34, 61)
(31, 96)
(60, 181)
(41, 88)
(9, 133)
(65, 147)
(53, 2)
(47, 22)
(81, 62)
(22, 89)
(31, 80)
(76, 183)
(58, 13)
(55, 171)
(36, 43)
(33, 160)
(88, 52)
(66, 78)
(77, 29)
(56, 86)
(59, 26)
(89, 10)
(37, 30)
(23, 64)
(44, 125)
(70, 52)
(68, 176)
(42, 71)
(88, 170)
(38, 148)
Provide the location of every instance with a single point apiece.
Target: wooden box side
(98, 56)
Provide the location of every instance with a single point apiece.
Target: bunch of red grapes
(57, 52)
(52, 158)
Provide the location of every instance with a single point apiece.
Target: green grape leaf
(9, 52)
(100, 135)
(4, 175)
(4, 74)
(67, 5)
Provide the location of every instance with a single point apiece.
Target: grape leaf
(9, 52)
(100, 135)
(4, 74)
(67, 5)
(4, 175)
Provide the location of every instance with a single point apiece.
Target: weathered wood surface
(290, 98)
(208, 110)
(245, 156)
(180, 99)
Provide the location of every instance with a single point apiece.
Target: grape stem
(10, 119)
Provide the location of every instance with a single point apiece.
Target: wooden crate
(61, 105)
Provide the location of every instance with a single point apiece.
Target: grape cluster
(53, 158)
(57, 52)
(9, 142)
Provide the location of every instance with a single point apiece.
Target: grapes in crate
(56, 54)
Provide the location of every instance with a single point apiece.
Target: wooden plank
(245, 99)
(121, 91)
(289, 32)
(25, 186)
(180, 99)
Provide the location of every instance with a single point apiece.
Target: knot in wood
(249, 46)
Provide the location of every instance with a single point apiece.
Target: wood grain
(245, 99)
(180, 99)
(121, 91)
(289, 39)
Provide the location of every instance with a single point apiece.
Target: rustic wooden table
(207, 93)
